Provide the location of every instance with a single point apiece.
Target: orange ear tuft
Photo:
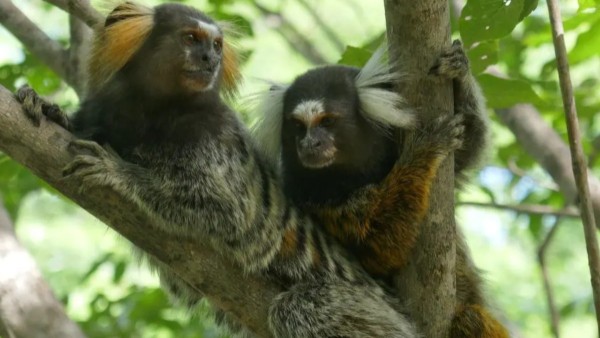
(123, 33)
(231, 68)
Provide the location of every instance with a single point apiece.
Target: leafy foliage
(511, 37)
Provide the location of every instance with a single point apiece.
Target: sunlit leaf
(355, 56)
(505, 93)
(483, 55)
(483, 20)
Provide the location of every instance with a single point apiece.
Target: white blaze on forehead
(212, 29)
(308, 110)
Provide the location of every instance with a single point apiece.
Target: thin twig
(533, 209)
(33, 38)
(80, 34)
(329, 33)
(81, 9)
(541, 254)
(579, 167)
(292, 36)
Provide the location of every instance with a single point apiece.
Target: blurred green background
(109, 294)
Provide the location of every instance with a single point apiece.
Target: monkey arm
(382, 221)
(222, 193)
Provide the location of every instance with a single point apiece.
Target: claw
(87, 146)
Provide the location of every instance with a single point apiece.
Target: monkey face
(202, 47)
(183, 53)
(314, 133)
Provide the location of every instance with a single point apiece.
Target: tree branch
(544, 144)
(329, 33)
(541, 254)
(34, 39)
(292, 36)
(418, 32)
(44, 151)
(28, 308)
(80, 9)
(79, 34)
(534, 209)
(580, 169)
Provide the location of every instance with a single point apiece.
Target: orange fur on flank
(114, 45)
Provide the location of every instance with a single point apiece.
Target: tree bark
(28, 307)
(418, 32)
(44, 151)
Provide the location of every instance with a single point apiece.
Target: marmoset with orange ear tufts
(185, 158)
(340, 129)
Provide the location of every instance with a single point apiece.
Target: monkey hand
(35, 107)
(438, 137)
(95, 166)
(453, 63)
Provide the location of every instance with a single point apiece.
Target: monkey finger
(88, 147)
(30, 102)
(80, 161)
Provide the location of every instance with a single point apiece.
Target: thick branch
(28, 307)
(34, 39)
(548, 149)
(44, 151)
(580, 169)
(418, 31)
(80, 9)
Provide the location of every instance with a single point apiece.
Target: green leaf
(15, 183)
(504, 93)
(586, 4)
(587, 45)
(483, 20)
(528, 7)
(483, 55)
(535, 226)
(355, 56)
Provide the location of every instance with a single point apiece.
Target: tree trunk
(418, 32)
(28, 307)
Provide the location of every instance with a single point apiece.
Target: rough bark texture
(28, 307)
(418, 31)
(44, 151)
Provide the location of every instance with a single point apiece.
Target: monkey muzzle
(201, 77)
(315, 154)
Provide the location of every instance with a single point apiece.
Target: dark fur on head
(176, 59)
(362, 151)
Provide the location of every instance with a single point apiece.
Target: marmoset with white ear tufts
(185, 158)
(351, 156)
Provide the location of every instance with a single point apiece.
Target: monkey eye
(189, 39)
(299, 125)
(218, 45)
(327, 121)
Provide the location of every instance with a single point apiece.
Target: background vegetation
(513, 208)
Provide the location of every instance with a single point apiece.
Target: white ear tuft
(379, 104)
(266, 131)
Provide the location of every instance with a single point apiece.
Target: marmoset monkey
(184, 157)
(340, 130)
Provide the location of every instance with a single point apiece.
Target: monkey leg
(336, 309)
